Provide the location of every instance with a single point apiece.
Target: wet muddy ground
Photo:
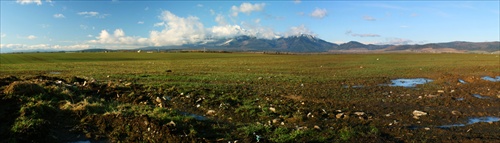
(71, 109)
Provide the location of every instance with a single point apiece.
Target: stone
(455, 112)
(272, 109)
(171, 123)
(417, 114)
(211, 112)
(339, 115)
(317, 127)
(359, 113)
(440, 91)
(158, 99)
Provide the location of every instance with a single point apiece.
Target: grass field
(255, 97)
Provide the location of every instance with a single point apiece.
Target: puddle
(479, 96)
(483, 119)
(408, 82)
(496, 79)
(195, 116)
(53, 72)
(462, 81)
(354, 86)
(472, 121)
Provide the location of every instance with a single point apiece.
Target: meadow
(249, 97)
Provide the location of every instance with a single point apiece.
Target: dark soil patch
(122, 111)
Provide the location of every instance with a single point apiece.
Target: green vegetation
(231, 96)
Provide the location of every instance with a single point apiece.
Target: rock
(128, 84)
(440, 91)
(171, 123)
(431, 96)
(317, 127)
(272, 109)
(260, 78)
(310, 115)
(455, 112)
(211, 112)
(417, 114)
(359, 113)
(158, 99)
(339, 115)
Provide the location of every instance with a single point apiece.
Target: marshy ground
(199, 97)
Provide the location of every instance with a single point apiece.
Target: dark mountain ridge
(308, 43)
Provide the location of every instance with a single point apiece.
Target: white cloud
(199, 5)
(92, 14)
(297, 1)
(140, 22)
(319, 13)
(50, 2)
(247, 8)
(212, 12)
(349, 32)
(220, 19)
(369, 18)
(226, 31)
(31, 37)
(59, 15)
(298, 30)
(44, 25)
(365, 35)
(23, 2)
(90, 36)
(159, 24)
(262, 32)
(88, 13)
(84, 27)
(118, 38)
(396, 41)
(178, 30)
(257, 20)
(19, 47)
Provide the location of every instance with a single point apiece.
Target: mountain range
(308, 43)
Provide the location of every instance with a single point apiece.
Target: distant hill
(95, 50)
(309, 43)
(299, 43)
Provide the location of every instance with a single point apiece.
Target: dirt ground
(46, 109)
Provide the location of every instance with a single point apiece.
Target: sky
(128, 24)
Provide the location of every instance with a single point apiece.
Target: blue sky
(76, 25)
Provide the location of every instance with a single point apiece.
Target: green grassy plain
(242, 88)
(232, 67)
